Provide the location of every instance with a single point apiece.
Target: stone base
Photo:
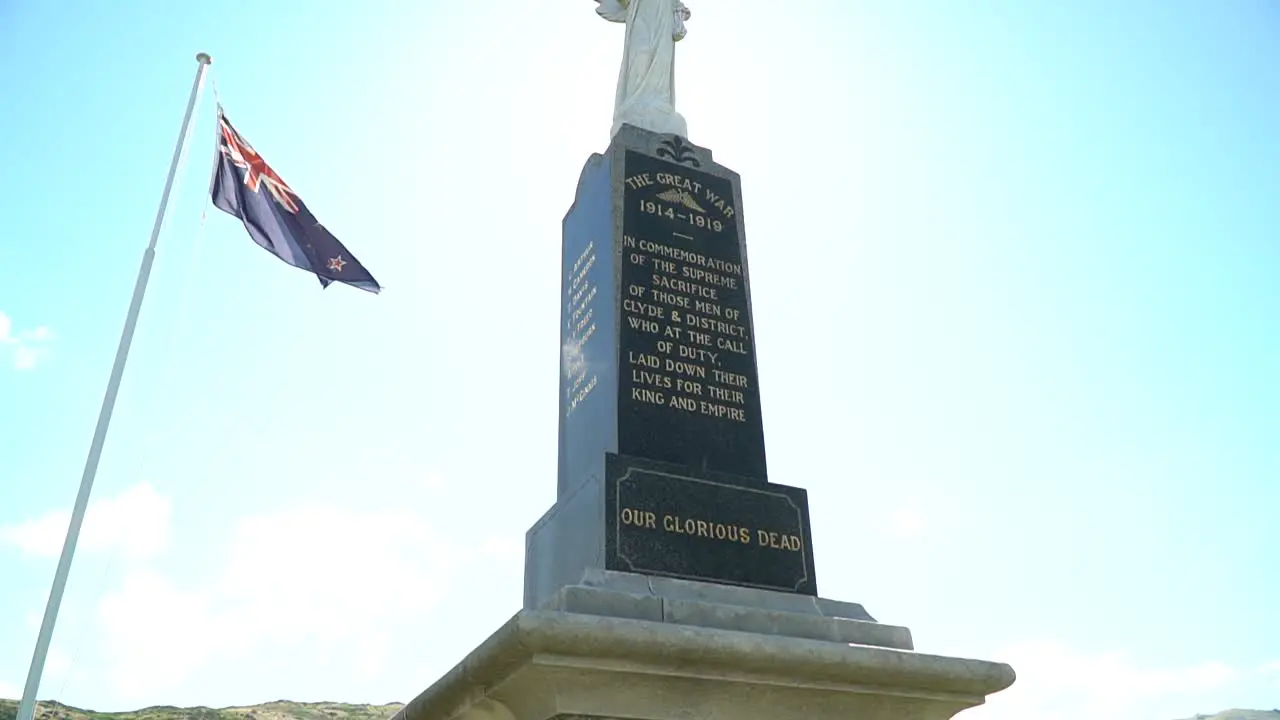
(724, 607)
(547, 664)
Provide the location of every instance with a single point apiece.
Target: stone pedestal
(673, 579)
(627, 646)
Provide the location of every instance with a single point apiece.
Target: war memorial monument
(672, 579)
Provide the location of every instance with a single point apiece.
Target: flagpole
(26, 710)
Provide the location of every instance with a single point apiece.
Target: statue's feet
(664, 121)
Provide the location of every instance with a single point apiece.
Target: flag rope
(176, 328)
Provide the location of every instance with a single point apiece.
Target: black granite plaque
(662, 459)
(687, 390)
(661, 521)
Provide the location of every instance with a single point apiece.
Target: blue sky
(1016, 273)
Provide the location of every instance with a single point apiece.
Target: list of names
(580, 304)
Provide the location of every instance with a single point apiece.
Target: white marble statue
(646, 84)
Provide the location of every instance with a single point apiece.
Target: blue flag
(245, 186)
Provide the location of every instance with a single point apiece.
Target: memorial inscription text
(687, 366)
(580, 321)
(664, 523)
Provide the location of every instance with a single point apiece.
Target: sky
(1016, 285)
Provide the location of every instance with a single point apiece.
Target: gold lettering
(684, 403)
(694, 527)
(719, 411)
(671, 299)
(652, 361)
(777, 541)
(652, 397)
(707, 308)
(699, 333)
(579, 328)
(639, 518)
(709, 530)
(582, 394)
(683, 368)
(678, 181)
(644, 377)
(666, 266)
(733, 346)
(645, 309)
(716, 326)
(718, 203)
(681, 286)
(700, 338)
(728, 378)
(706, 276)
(639, 181)
(733, 396)
(581, 273)
(690, 257)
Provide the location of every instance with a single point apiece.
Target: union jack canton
(245, 186)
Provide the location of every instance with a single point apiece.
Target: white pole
(26, 710)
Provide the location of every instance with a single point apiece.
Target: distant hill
(284, 710)
(1241, 715)
(280, 710)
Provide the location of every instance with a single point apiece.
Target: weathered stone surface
(682, 602)
(542, 665)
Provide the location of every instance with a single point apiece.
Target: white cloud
(1057, 683)
(431, 480)
(294, 570)
(907, 523)
(312, 579)
(24, 358)
(504, 548)
(56, 663)
(40, 334)
(27, 345)
(318, 581)
(135, 523)
(155, 632)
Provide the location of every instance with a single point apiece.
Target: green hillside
(1240, 715)
(280, 710)
(283, 710)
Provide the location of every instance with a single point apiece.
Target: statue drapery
(646, 95)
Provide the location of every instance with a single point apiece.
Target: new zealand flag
(245, 186)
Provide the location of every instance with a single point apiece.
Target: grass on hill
(279, 710)
(285, 710)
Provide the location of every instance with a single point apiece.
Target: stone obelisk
(673, 579)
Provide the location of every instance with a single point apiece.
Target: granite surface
(542, 664)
